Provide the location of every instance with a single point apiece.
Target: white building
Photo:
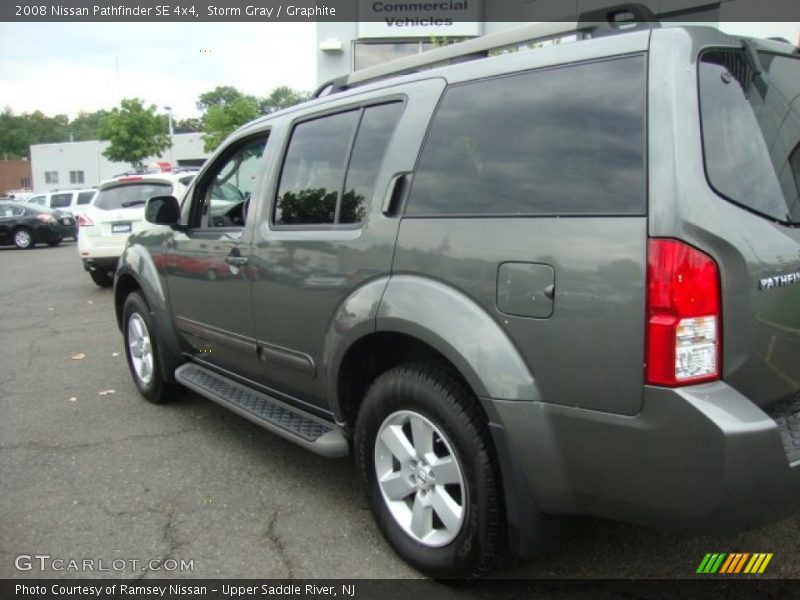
(82, 164)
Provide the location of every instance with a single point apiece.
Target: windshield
(130, 195)
(751, 130)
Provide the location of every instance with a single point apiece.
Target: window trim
(644, 54)
(360, 106)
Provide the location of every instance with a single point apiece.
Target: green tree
(223, 119)
(135, 132)
(86, 126)
(219, 96)
(18, 132)
(281, 97)
(191, 125)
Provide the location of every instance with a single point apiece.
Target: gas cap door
(526, 289)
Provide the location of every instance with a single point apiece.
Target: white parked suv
(116, 212)
(74, 202)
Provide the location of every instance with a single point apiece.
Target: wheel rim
(420, 478)
(22, 238)
(141, 351)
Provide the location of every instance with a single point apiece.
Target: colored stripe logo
(734, 563)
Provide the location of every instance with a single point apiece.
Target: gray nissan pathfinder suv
(558, 281)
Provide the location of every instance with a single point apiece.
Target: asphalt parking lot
(89, 470)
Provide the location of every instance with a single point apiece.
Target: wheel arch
(413, 318)
(136, 272)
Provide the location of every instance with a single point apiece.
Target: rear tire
(23, 238)
(430, 473)
(102, 277)
(141, 351)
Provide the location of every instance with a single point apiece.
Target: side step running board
(307, 430)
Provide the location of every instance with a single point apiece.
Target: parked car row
(73, 201)
(26, 225)
(100, 219)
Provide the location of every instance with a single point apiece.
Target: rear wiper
(133, 203)
(754, 62)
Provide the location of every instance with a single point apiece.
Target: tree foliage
(191, 125)
(18, 132)
(227, 109)
(86, 126)
(280, 98)
(135, 132)
(219, 96)
(223, 119)
(134, 129)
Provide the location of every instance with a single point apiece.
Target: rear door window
(751, 130)
(60, 200)
(568, 140)
(130, 195)
(85, 197)
(329, 175)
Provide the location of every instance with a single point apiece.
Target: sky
(66, 68)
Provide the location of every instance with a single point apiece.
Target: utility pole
(171, 155)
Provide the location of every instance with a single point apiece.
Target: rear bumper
(100, 247)
(702, 457)
(50, 233)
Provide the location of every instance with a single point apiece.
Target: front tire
(141, 351)
(23, 238)
(101, 277)
(430, 472)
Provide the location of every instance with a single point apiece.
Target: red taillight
(683, 315)
(84, 221)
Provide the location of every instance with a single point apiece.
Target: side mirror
(163, 210)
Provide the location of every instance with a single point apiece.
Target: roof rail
(621, 18)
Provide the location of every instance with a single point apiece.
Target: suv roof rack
(621, 18)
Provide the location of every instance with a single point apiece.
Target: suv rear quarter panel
(745, 246)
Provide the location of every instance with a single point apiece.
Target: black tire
(54, 243)
(156, 389)
(439, 396)
(102, 277)
(23, 238)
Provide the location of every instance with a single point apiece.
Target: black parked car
(26, 225)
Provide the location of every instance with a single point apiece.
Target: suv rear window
(85, 197)
(563, 141)
(751, 130)
(60, 200)
(130, 194)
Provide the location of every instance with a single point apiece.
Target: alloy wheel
(140, 348)
(420, 478)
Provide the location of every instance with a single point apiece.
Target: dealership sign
(409, 18)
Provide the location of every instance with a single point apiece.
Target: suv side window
(60, 200)
(225, 192)
(561, 141)
(85, 197)
(330, 170)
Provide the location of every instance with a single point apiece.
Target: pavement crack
(277, 542)
(169, 538)
(86, 445)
